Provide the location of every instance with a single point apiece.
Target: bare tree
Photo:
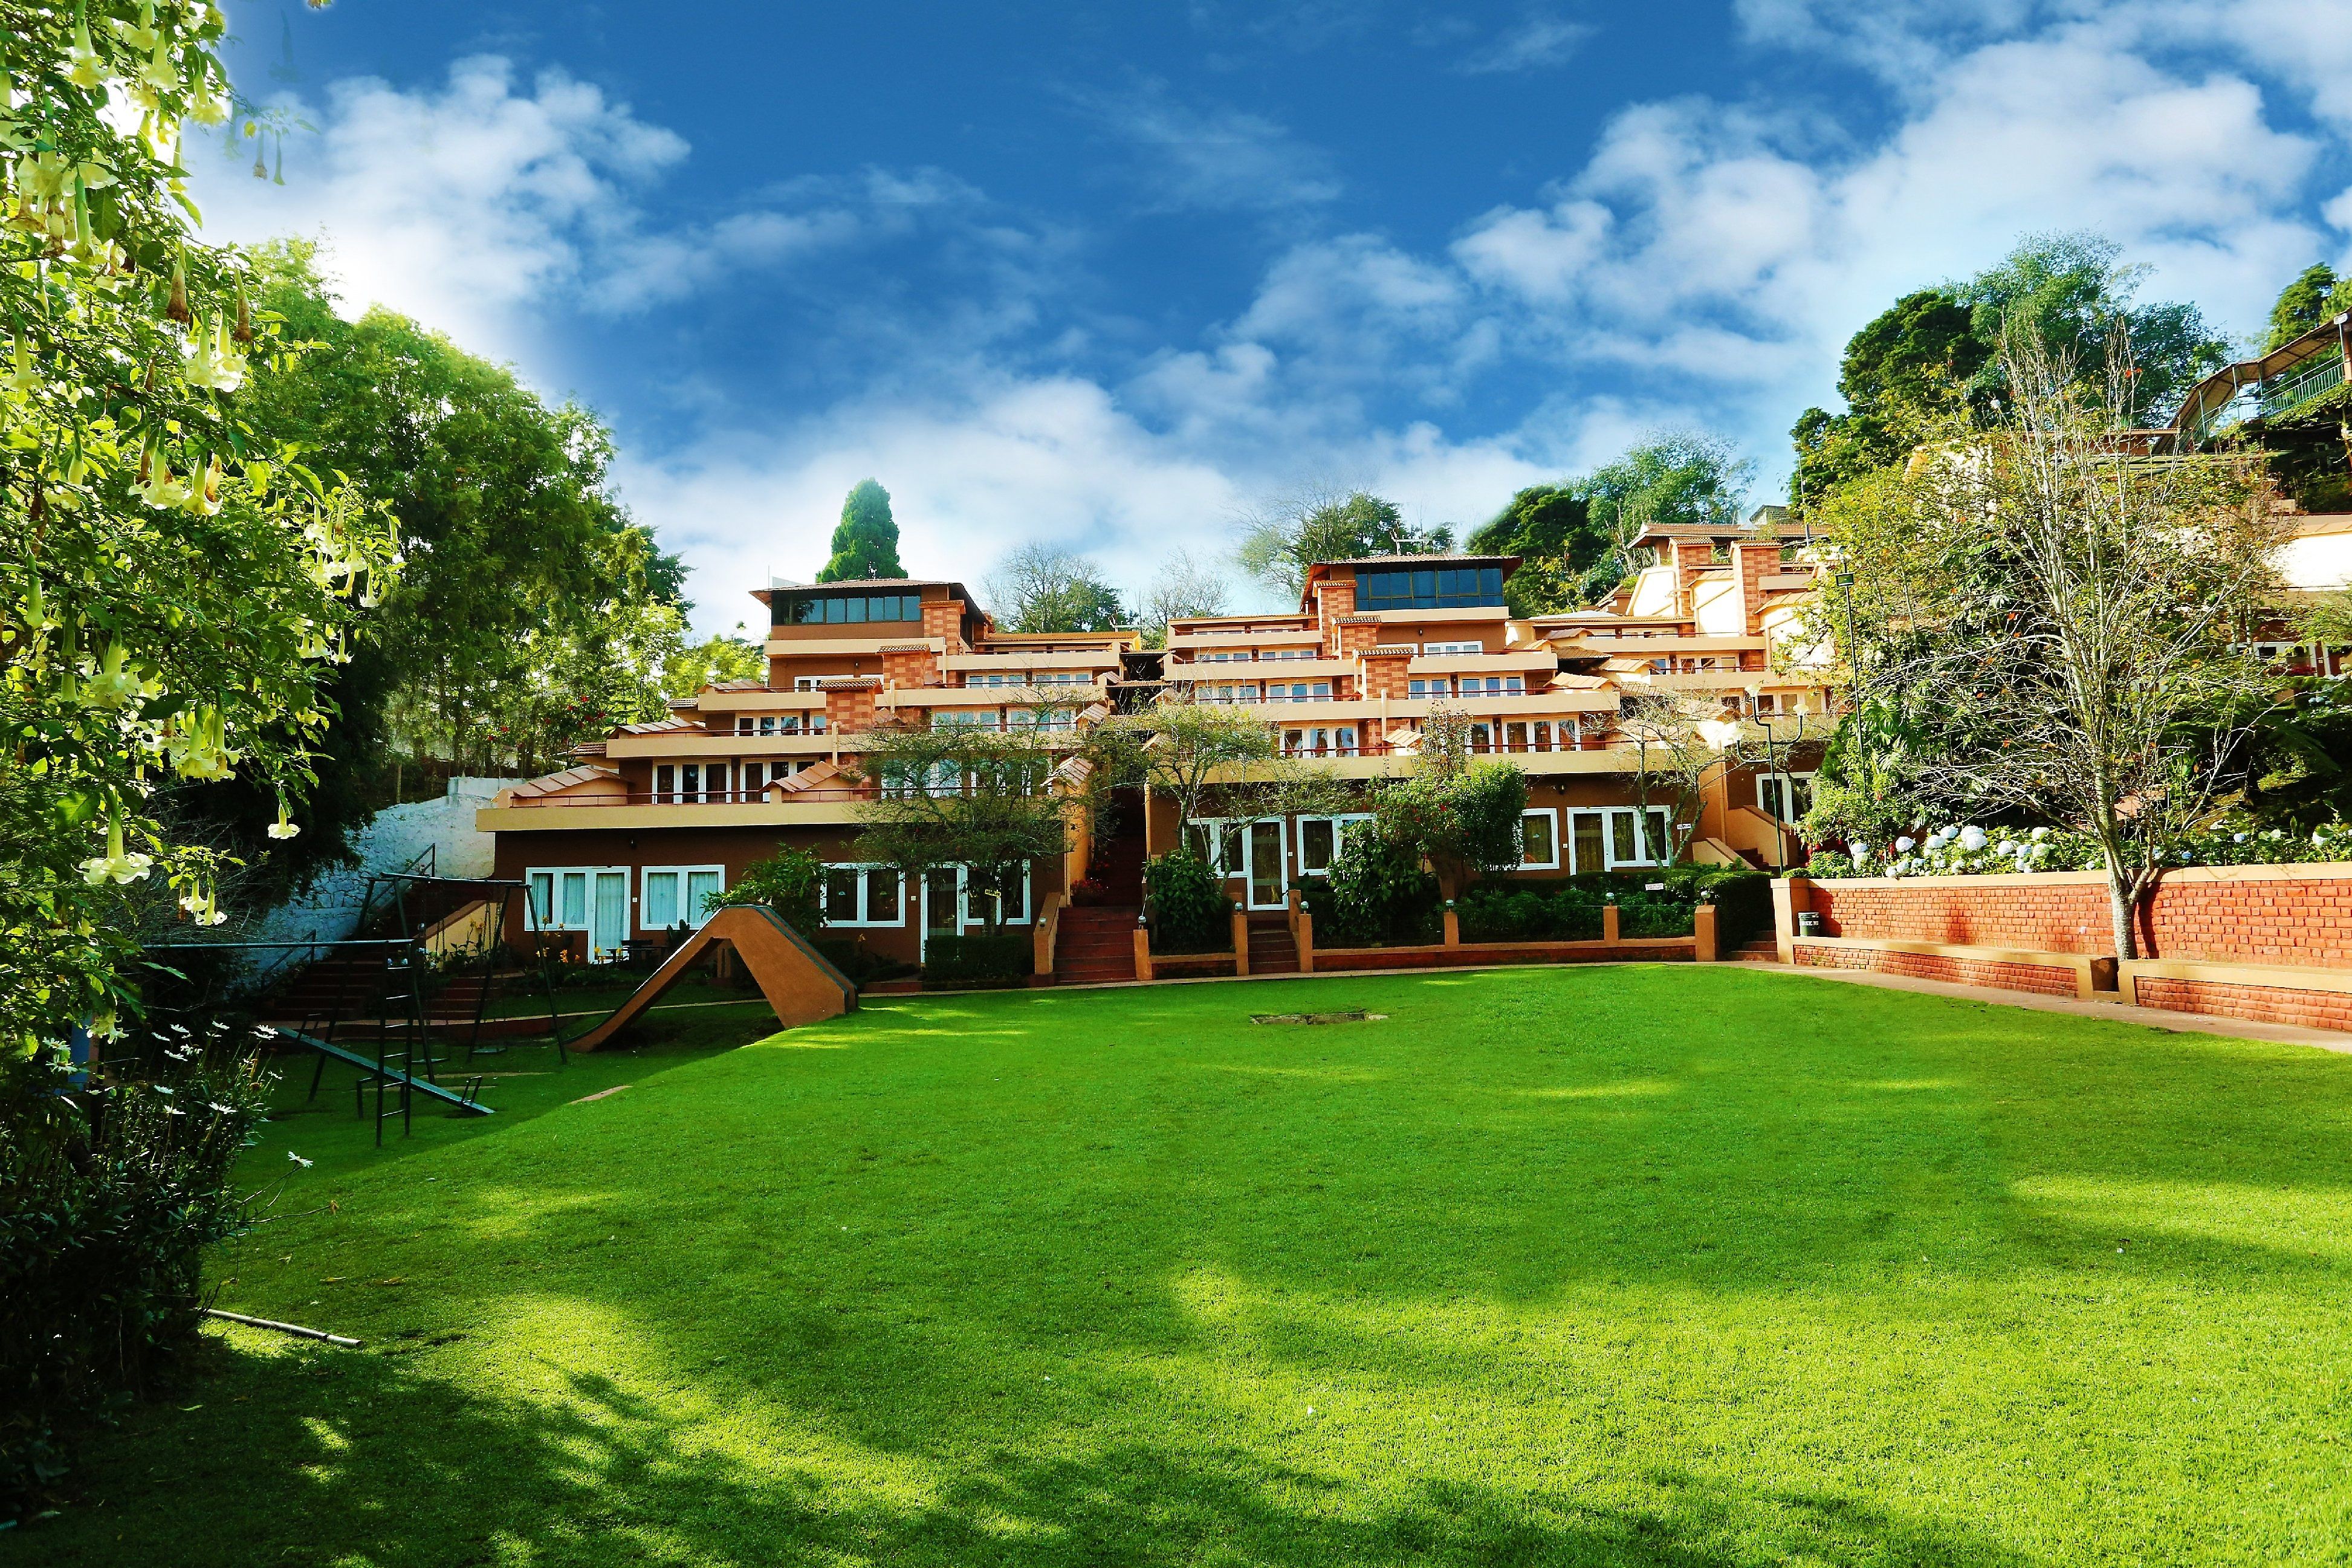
(1185, 586)
(1041, 587)
(2060, 624)
(1286, 534)
(1677, 738)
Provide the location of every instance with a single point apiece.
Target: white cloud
(1536, 43)
(1214, 159)
(462, 207)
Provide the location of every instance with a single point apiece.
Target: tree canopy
(1185, 587)
(1289, 535)
(1045, 588)
(865, 542)
(2315, 295)
(1574, 534)
(1935, 352)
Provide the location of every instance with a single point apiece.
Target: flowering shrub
(1969, 850)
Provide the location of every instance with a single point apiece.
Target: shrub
(108, 1196)
(1529, 911)
(964, 959)
(1189, 911)
(1377, 893)
(791, 882)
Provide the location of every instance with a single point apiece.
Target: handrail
(1045, 932)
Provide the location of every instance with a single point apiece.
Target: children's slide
(798, 982)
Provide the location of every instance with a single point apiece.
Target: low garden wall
(2266, 942)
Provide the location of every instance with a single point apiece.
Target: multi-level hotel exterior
(626, 843)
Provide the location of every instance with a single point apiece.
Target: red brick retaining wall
(2270, 1004)
(2046, 979)
(2299, 915)
(1669, 950)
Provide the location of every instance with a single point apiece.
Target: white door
(608, 916)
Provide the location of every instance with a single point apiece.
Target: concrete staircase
(1271, 951)
(1764, 949)
(1096, 944)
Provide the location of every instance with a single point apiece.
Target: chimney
(943, 619)
(1691, 556)
(1384, 670)
(1334, 600)
(849, 704)
(909, 663)
(1751, 564)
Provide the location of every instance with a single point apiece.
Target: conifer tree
(865, 544)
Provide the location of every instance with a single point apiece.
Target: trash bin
(1807, 923)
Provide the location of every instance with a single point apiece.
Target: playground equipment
(800, 983)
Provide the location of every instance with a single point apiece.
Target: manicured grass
(1660, 1266)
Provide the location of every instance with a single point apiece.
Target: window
(965, 718)
(1602, 839)
(1493, 685)
(1539, 841)
(1320, 740)
(1230, 691)
(1300, 691)
(1429, 589)
(1319, 838)
(1453, 648)
(665, 782)
(808, 682)
(577, 898)
(1042, 718)
(864, 896)
(672, 896)
(1785, 797)
(689, 781)
(755, 780)
(849, 609)
(1433, 686)
(901, 781)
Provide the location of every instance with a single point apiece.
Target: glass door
(1267, 878)
(942, 903)
(608, 917)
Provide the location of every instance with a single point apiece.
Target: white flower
(115, 864)
(2038, 834)
(216, 362)
(284, 827)
(1903, 844)
(161, 491)
(112, 686)
(1972, 839)
(298, 1159)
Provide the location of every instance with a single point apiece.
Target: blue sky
(1110, 275)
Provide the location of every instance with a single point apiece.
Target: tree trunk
(2123, 904)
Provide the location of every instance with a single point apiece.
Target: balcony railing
(2279, 396)
(699, 798)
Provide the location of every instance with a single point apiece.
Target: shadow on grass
(403, 1470)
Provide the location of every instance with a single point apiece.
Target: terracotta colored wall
(2270, 1004)
(2035, 977)
(944, 618)
(2301, 918)
(910, 666)
(849, 706)
(1386, 676)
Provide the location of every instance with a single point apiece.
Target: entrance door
(608, 917)
(1267, 878)
(942, 903)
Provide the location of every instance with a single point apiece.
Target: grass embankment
(1650, 1266)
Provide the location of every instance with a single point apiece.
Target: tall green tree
(525, 565)
(865, 542)
(1574, 534)
(2315, 295)
(1935, 354)
(175, 580)
(1289, 535)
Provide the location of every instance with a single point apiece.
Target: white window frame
(1453, 648)
(1551, 818)
(1788, 783)
(1444, 684)
(858, 918)
(1664, 815)
(1339, 823)
(585, 925)
(685, 875)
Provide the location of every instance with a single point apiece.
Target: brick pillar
(944, 618)
(1385, 671)
(849, 704)
(909, 663)
(1691, 556)
(1751, 564)
(1334, 600)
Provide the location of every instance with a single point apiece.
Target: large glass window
(1429, 589)
(864, 896)
(1539, 840)
(849, 609)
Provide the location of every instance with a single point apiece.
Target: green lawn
(1630, 1265)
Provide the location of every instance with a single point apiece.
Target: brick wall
(2044, 979)
(909, 663)
(944, 618)
(1384, 672)
(2053, 914)
(2293, 915)
(2272, 1004)
(849, 704)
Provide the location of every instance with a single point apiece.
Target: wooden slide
(797, 981)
